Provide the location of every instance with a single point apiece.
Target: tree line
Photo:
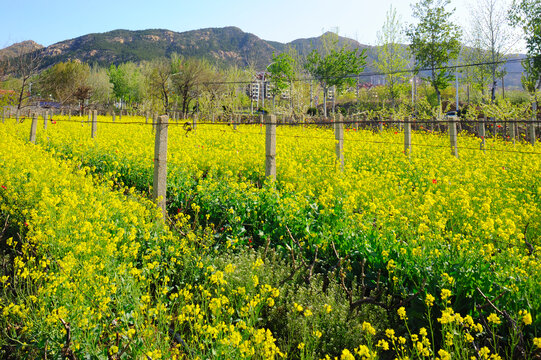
(419, 71)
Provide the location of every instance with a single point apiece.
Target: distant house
(49, 104)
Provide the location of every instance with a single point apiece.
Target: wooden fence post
(159, 184)
(146, 117)
(451, 121)
(237, 121)
(261, 120)
(33, 128)
(407, 137)
(513, 131)
(482, 133)
(339, 139)
(94, 123)
(45, 116)
(533, 123)
(270, 146)
(120, 115)
(17, 117)
(69, 114)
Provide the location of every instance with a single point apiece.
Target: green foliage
(65, 82)
(281, 72)
(527, 15)
(335, 69)
(393, 57)
(126, 82)
(434, 41)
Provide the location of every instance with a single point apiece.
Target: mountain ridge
(224, 46)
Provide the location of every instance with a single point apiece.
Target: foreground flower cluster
(466, 231)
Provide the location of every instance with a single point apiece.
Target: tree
(25, 66)
(126, 82)
(102, 89)
(337, 68)
(477, 77)
(492, 36)
(392, 57)
(157, 77)
(434, 41)
(281, 73)
(188, 79)
(66, 82)
(527, 15)
(213, 91)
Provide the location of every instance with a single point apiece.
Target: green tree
(392, 57)
(527, 15)
(127, 82)
(434, 42)
(281, 73)
(338, 68)
(66, 82)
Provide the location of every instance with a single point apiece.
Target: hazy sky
(48, 22)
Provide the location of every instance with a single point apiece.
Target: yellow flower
(347, 355)
(537, 342)
(484, 352)
(113, 350)
(444, 355)
(390, 333)
(298, 307)
(383, 344)
(369, 328)
(493, 318)
(445, 294)
(327, 308)
(429, 300)
(363, 351)
(402, 313)
(526, 317)
(300, 346)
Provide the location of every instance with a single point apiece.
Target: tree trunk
(325, 101)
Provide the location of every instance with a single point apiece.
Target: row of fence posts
(160, 126)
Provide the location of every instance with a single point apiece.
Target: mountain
(19, 49)
(222, 46)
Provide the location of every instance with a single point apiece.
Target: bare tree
(492, 36)
(393, 57)
(24, 65)
(188, 79)
(157, 75)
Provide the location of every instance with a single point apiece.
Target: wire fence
(492, 129)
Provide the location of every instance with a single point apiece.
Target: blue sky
(48, 22)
